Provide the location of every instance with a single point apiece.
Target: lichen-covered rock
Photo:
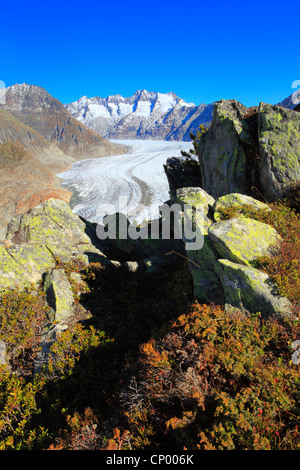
(250, 291)
(244, 151)
(196, 196)
(201, 261)
(243, 240)
(236, 201)
(279, 149)
(35, 259)
(50, 222)
(59, 295)
(12, 273)
(37, 239)
(222, 152)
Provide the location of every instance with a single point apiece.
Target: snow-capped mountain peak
(144, 115)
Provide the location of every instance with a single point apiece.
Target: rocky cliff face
(253, 151)
(145, 115)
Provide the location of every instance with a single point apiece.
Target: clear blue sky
(201, 50)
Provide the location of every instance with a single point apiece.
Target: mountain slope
(292, 101)
(28, 168)
(36, 108)
(144, 115)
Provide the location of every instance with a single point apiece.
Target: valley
(137, 176)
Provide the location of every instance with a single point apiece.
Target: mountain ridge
(148, 115)
(144, 115)
(35, 107)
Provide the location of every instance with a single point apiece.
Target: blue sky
(202, 51)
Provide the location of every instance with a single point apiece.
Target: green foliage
(195, 141)
(73, 402)
(217, 382)
(150, 369)
(18, 404)
(22, 318)
(68, 349)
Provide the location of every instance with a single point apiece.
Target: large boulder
(36, 240)
(201, 261)
(237, 202)
(232, 281)
(222, 153)
(59, 295)
(279, 149)
(243, 240)
(182, 172)
(250, 151)
(138, 242)
(250, 291)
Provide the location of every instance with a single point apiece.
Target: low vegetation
(152, 368)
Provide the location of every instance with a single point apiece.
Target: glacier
(137, 176)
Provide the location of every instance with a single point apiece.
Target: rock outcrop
(247, 289)
(242, 240)
(223, 152)
(35, 241)
(236, 201)
(59, 295)
(279, 149)
(253, 151)
(222, 269)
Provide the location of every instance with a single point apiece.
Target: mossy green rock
(12, 273)
(59, 295)
(236, 201)
(222, 150)
(35, 259)
(243, 240)
(250, 291)
(50, 222)
(35, 241)
(206, 284)
(279, 149)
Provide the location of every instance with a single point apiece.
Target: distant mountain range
(145, 115)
